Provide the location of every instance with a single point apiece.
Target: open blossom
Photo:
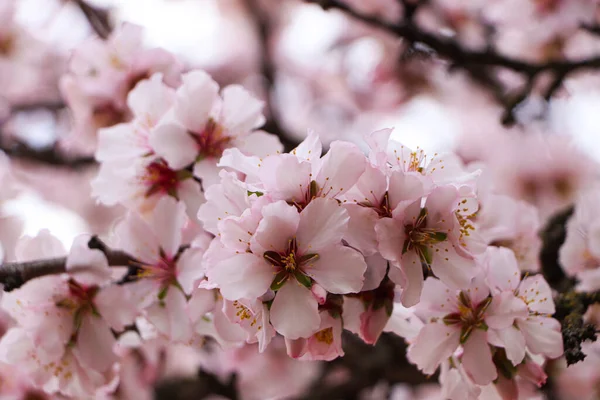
(166, 273)
(203, 124)
(302, 175)
(522, 309)
(64, 336)
(498, 319)
(131, 173)
(436, 234)
(101, 75)
(289, 252)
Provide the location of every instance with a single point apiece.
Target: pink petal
(477, 359)
(208, 172)
(151, 99)
(542, 335)
(167, 222)
(341, 167)
(338, 269)
(286, 177)
(538, 294)
(86, 265)
(242, 276)
(413, 270)
(361, 228)
(171, 318)
(376, 269)
(116, 305)
(135, 237)
(196, 99)
(175, 144)
(442, 200)
(202, 301)
(437, 300)
(503, 310)
(95, 343)
(294, 312)
(261, 144)
(120, 142)
(434, 344)
(454, 270)
(310, 148)
(278, 226)
(502, 268)
(512, 340)
(322, 223)
(404, 187)
(391, 237)
(189, 269)
(241, 111)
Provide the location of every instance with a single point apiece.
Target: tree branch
(49, 156)
(99, 19)
(268, 71)
(467, 59)
(15, 274)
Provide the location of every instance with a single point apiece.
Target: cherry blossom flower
(203, 124)
(435, 234)
(64, 335)
(166, 272)
(290, 251)
(101, 75)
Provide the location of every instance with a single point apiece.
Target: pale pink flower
(101, 75)
(325, 344)
(439, 169)
(166, 272)
(64, 321)
(367, 313)
(130, 171)
(289, 252)
(521, 310)
(456, 318)
(436, 234)
(253, 317)
(203, 124)
(304, 175)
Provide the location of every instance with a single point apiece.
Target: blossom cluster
(228, 240)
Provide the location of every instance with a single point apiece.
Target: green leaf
(258, 194)
(279, 280)
(303, 279)
(183, 174)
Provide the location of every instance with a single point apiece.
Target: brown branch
(268, 71)
(466, 59)
(15, 274)
(49, 156)
(99, 19)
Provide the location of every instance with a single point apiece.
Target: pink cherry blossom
(203, 124)
(435, 234)
(101, 75)
(289, 251)
(166, 272)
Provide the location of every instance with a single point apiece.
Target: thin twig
(268, 71)
(99, 19)
(15, 274)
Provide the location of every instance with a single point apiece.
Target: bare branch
(16, 274)
(99, 19)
